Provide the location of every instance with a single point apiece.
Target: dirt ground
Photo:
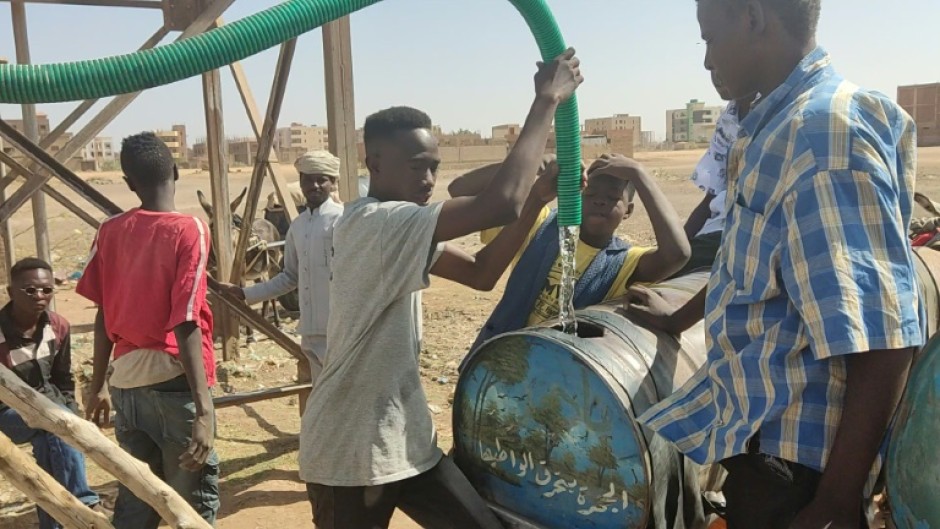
(258, 442)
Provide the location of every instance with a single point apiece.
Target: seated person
(606, 265)
(703, 228)
(35, 344)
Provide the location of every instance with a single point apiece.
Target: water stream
(567, 243)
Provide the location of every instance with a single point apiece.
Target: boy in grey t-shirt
(368, 443)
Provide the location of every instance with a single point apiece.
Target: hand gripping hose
(92, 79)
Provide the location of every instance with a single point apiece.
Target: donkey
(261, 261)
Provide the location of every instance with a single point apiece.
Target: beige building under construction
(922, 102)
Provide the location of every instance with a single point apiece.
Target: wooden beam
(6, 230)
(40, 219)
(77, 210)
(147, 4)
(254, 118)
(51, 166)
(119, 103)
(237, 399)
(47, 189)
(252, 318)
(221, 214)
(340, 108)
(265, 142)
(45, 491)
(42, 414)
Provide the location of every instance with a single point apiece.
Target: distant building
(601, 126)
(292, 142)
(42, 124)
(175, 140)
(459, 138)
(99, 150)
(242, 151)
(181, 134)
(506, 133)
(693, 124)
(922, 102)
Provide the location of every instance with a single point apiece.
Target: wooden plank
(146, 4)
(265, 142)
(77, 210)
(41, 413)
(51, 166)
(340, 107)
(254, 118)
(252, 318)
(40, 219)
(41, 488)
(119, 103)
(47, 189)
(6, 230)
(237, 399)
(221, 214)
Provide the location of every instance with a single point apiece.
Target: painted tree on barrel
(508, 367)
(602, 455)
(549, 414)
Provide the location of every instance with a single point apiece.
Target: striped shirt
(814, 265)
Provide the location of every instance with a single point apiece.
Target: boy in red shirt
(147, 275)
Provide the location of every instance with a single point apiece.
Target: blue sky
(469, 63)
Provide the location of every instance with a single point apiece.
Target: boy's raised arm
(672, 246)
(501, 202)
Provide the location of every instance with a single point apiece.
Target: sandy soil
(258, 442)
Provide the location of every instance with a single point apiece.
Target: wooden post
(251, 108)
(254, 118)
(6, 230)
(222, 215)
(340, 108)
(42, 414)
(40, 221)
(45, 491)
(36, 181)
(52, 192)
(262, 164)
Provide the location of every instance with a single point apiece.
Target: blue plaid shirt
(815, 264)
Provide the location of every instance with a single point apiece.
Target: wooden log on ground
(237, 399)
(41, 413)
(45, 491)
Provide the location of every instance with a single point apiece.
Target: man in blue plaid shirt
(812, 313)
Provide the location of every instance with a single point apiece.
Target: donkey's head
(233, 207)
(260, 260)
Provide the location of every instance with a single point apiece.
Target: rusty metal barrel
(545, 422)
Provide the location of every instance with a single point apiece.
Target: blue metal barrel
(912, 468)
(545, 422)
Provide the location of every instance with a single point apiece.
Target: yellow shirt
(546, 305)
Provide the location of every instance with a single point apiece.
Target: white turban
(318, 162)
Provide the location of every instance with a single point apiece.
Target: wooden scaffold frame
(189, 17)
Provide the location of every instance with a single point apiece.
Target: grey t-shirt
(367, 421)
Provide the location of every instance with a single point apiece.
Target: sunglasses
(32, 291)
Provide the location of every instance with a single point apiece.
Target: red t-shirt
(147, 270)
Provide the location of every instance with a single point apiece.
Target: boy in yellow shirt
(606, 265)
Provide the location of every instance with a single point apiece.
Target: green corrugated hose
(53, 83)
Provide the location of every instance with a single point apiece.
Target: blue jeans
(61, 461)
(154, 424)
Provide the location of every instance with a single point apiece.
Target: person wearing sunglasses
(35, 345)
